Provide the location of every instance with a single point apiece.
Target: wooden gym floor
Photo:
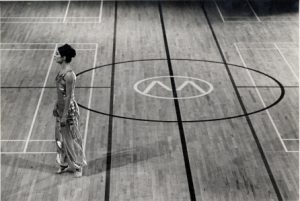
(188, 101)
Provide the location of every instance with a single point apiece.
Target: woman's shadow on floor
(125, 157)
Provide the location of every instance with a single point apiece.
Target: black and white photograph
(149, 100)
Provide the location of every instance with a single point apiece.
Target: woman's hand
(63, 121)
(55, 113)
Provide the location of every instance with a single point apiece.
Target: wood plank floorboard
(271, 62)
(258, 35)
(223, 155)
(12, 146)
(146, 169)
(150, 166)
(276, 11)
(284, 113)
(290, 53)
(33, 9)
(25, 68)
(17, 112)
(257, 38)
(147, 159)
(84, 9)
(243, 184)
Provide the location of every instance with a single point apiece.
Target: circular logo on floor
(160, 87)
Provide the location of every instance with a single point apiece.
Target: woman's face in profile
(58, 57)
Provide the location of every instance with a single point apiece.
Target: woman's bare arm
(70, 82)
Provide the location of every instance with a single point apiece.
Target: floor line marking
(240, 17)
(49, 22)
(111, 109)
(31, 188)
(90, 101)
(259, 95)
(65, 17)
(23, 17)
(50, 87)
(289, 48)
(40, 49)
(255, 21)
(265, 42)
(264, 48)
(25, 49)
(220, 13)
(96, 22)
(100, 12)
(253, 11)
(40, 100)
(61, 17)
(26, 140)
(222, 17)
(291, 139)
(86, 17)
(49, 43)
(184, 146)
(7, 152)
(287, 63)
(262, 86)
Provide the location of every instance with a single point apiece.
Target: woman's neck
(65, 66)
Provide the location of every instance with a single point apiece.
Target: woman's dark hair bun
(73, 52)
(67, 51)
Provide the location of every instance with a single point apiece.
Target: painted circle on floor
(203, 91)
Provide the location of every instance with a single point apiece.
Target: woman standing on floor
(70, 155)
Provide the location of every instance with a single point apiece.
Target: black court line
(178, 114)
(263, 156)
(104, 87)
(50, 87)
(266, 86)
(111, 109)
